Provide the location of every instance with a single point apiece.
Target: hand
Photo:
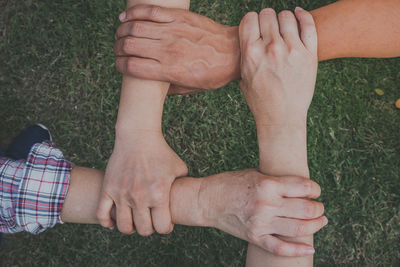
(278, 65)
(257, 208)
(138, 179)
(176, 46)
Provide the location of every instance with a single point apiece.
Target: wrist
(207, 200)
(130, 133)
(283, 149)
(285, 120)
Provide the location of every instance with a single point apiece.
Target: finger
(141, 29)
(249, 29)
(124, 219)
(147, 12)
(143, 223)
(140, 47)
(301, 208)
(143, 68)
(161, 217)
(283, 248)
(179, 90)
(104, 211)
(308, 31)
(269, 27)
(288, 28)
(298, 187)
(295, 228)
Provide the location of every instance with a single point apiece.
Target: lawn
(58, 69)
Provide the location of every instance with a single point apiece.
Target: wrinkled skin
(178, 46)
(256, 208)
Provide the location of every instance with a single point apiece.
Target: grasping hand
(138, 179)
(178, 46)
(278, 65)
(257, 208)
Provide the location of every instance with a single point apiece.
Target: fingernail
(310, 251)
(325, 221)
(111, 228)
(122, 16)
(298, 9)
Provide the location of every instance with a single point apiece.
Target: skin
(240, 203)
(278, 70)
(142, 166)
(185, 45)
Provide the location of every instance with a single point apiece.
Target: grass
(57, 69)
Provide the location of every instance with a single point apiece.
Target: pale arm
(282, 152)
(142, 166)
(278, 70)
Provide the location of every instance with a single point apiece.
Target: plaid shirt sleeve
(32, 192)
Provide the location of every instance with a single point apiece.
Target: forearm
(142, 100)
(84, 191)
(283, 151)
(358, 28)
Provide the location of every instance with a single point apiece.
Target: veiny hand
(176, 46)
(256, 208)
(278, 65)
(137, 181)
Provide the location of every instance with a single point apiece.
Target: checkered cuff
(38, 188)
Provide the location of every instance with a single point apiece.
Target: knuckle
(136, 196)
(299, 229)
(276, 48)
(120, 30)
(154, 12)
(262, 207)
(130, 66)
(136, 28)
(251, 236)
(269, 185)
(158, 197)
(127, 44)
(285, 14)
(101, 216)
